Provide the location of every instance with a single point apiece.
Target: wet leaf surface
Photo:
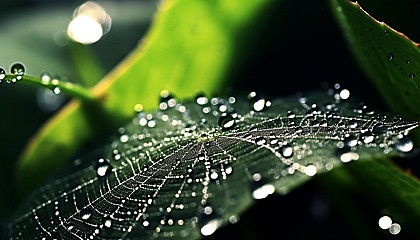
(389, 58)
(192, 167)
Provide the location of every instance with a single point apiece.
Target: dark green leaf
(389, 58)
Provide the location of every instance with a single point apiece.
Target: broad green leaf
(389, 58)
(192, 167)
(191, 47)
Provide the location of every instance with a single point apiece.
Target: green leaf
(389, 58)
(182, 53)
(192, 167)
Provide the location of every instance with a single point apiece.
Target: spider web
(191, 167)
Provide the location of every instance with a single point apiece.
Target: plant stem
(67, 88)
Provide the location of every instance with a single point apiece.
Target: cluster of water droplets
(406, 65)
(17, 69)
(191, 167)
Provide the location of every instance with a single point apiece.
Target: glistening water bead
(404, 145)
(102, 167)
(226, 122)
(17, 69)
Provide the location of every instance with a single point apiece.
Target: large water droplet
(344, 94)
(310, 170)
(390, 56)
(107, 221)
(102, 167)
(367, 137)
(404, 144)
(259, 105)
(286, 151)
(385, 222)
(17, 69)
(256, 102)
(210, 227)
(86, 213)
(226, 122)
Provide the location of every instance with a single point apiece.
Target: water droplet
(395, 228)
(124, 138)
(352, 123)
(286, 151)
(350, 141)
(408, 61)
(290, 114)
(17, 69)
(138, 107)
(411, 75)
(346, 155)
(45, 78)
(385, 222)
(201, 99)
(404, 144)
(208, 210)
(102, 167)
(2, 74)
(107, 221)
(57, 90)
(260, 141)
(256, 103)
(379, 129)
(344, 94)
(261, 189)
(210, 227)
(367, 137)
(86, 213)
(310, 170)
(226, 122)
(390, 56)
(214, 175)
(259, 105)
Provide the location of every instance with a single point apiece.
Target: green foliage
(199, 52)
(389, 58)
(182, 53)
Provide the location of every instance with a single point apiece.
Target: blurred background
(299, 48)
